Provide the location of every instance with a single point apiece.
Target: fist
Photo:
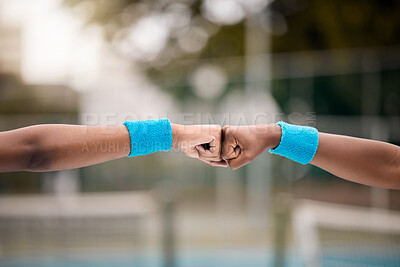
(202, 142)
(242, 144)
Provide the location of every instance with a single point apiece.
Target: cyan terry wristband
(149, 136)
(298, 143)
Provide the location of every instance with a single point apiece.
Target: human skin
(42, 148)
(363, 161)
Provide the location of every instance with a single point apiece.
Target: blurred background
(334, 65)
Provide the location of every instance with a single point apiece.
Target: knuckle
(227, 132)
(234, 166)
(216, 156)
(217, 131)
(226, 149)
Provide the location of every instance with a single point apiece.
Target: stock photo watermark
(234, 119)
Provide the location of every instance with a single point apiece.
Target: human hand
(202, 142)
(242, 144)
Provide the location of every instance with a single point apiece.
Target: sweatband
(149, 136)
(298, 143)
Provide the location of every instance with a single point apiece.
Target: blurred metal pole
(281, 221)
(167, 191)
(257, 77)
(61, 182)
(228, 200)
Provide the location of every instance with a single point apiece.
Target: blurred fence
(330, 234)
(42, 228)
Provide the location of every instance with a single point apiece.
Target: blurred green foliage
(311, 24)
(304, 25)
(314, 25)
(16, 97)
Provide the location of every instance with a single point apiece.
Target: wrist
(177, 130)
(149, 136)
(273, 135)
(298, 143)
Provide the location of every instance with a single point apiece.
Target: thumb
(238, 162)
(230, 148)
(204, 150)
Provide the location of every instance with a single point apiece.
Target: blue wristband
(298, 143)
(149, 136)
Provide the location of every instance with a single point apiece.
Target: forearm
(359, 160)
(58, 147)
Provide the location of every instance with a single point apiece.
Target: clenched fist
(202, 142)
(242, 144)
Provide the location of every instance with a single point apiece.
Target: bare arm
(359, 160)
(57, 147)
(42, 148)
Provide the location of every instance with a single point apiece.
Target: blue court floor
(231, 257)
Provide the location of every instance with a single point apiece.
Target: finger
(206, 146)
(215, 145)
(204, 153)
(233, 153)
(201, 149)
(221, 163)
(238, 162)
(229, 143)
(209, 154)
(237, 151)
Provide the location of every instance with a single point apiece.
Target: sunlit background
(330, 64)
